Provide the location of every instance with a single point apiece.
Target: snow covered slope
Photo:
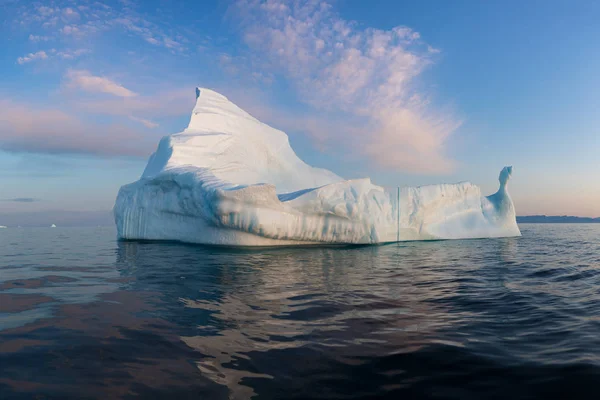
(236, 148)
(230, 179)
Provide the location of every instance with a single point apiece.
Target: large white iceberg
(230, 179)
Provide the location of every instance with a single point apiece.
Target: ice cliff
(230, 179)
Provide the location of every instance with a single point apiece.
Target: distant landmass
(556, 219)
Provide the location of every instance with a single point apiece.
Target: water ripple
(85, 316)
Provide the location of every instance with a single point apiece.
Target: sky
(405, 92)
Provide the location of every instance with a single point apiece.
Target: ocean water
(83, 316)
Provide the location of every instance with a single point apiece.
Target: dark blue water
(84, 316)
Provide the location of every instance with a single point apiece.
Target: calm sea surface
(84, 316)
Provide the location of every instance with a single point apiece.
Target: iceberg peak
(205, 92)
(215, 112)
(235, 147)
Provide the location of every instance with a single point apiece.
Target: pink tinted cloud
(28, 128)
(165, 103)
(39, 55)
(146, 122)
(65, 19)
(84, 80)
(367, 74)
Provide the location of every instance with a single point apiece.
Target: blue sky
(407, 93)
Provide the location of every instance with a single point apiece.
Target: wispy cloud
(69, 54)
(38, 38)
(35, 129)
(70, 13)
(164, 103)
(71, 30)
(84, 80)
(369, 75)
(150, 32)
(66, 54)
(39, 55)
(146, 122)
(62, 18)
(22, 200)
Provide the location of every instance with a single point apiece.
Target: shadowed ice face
(505, 175)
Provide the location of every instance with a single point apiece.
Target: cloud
(227, 63)
(146, 122)
(68, 54)
(47, 11)
(370, 76)
(84, 80)
(40, 55)
(96, 17)
(71, 30)
(70, 13)
(38, 38)
(165, 103)
(35, 129)
(48, 17)
(22, 200)
(149, 32)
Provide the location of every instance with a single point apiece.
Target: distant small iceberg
(3, 227)
(52, 226)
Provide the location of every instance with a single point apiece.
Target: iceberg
(229, 179)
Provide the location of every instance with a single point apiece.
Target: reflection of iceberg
(279, 315)
(230, 179)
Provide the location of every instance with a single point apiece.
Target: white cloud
(152, 40)
(149, 32)
(84, 80)
(369, 74)
(47, 11)
(40, 55)
(66, 54)
(170, 43)
(227, 63)
(70, 13)
(72, 54)
(38, 38)
(78, 22)
(71, 30)
(146, 122)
